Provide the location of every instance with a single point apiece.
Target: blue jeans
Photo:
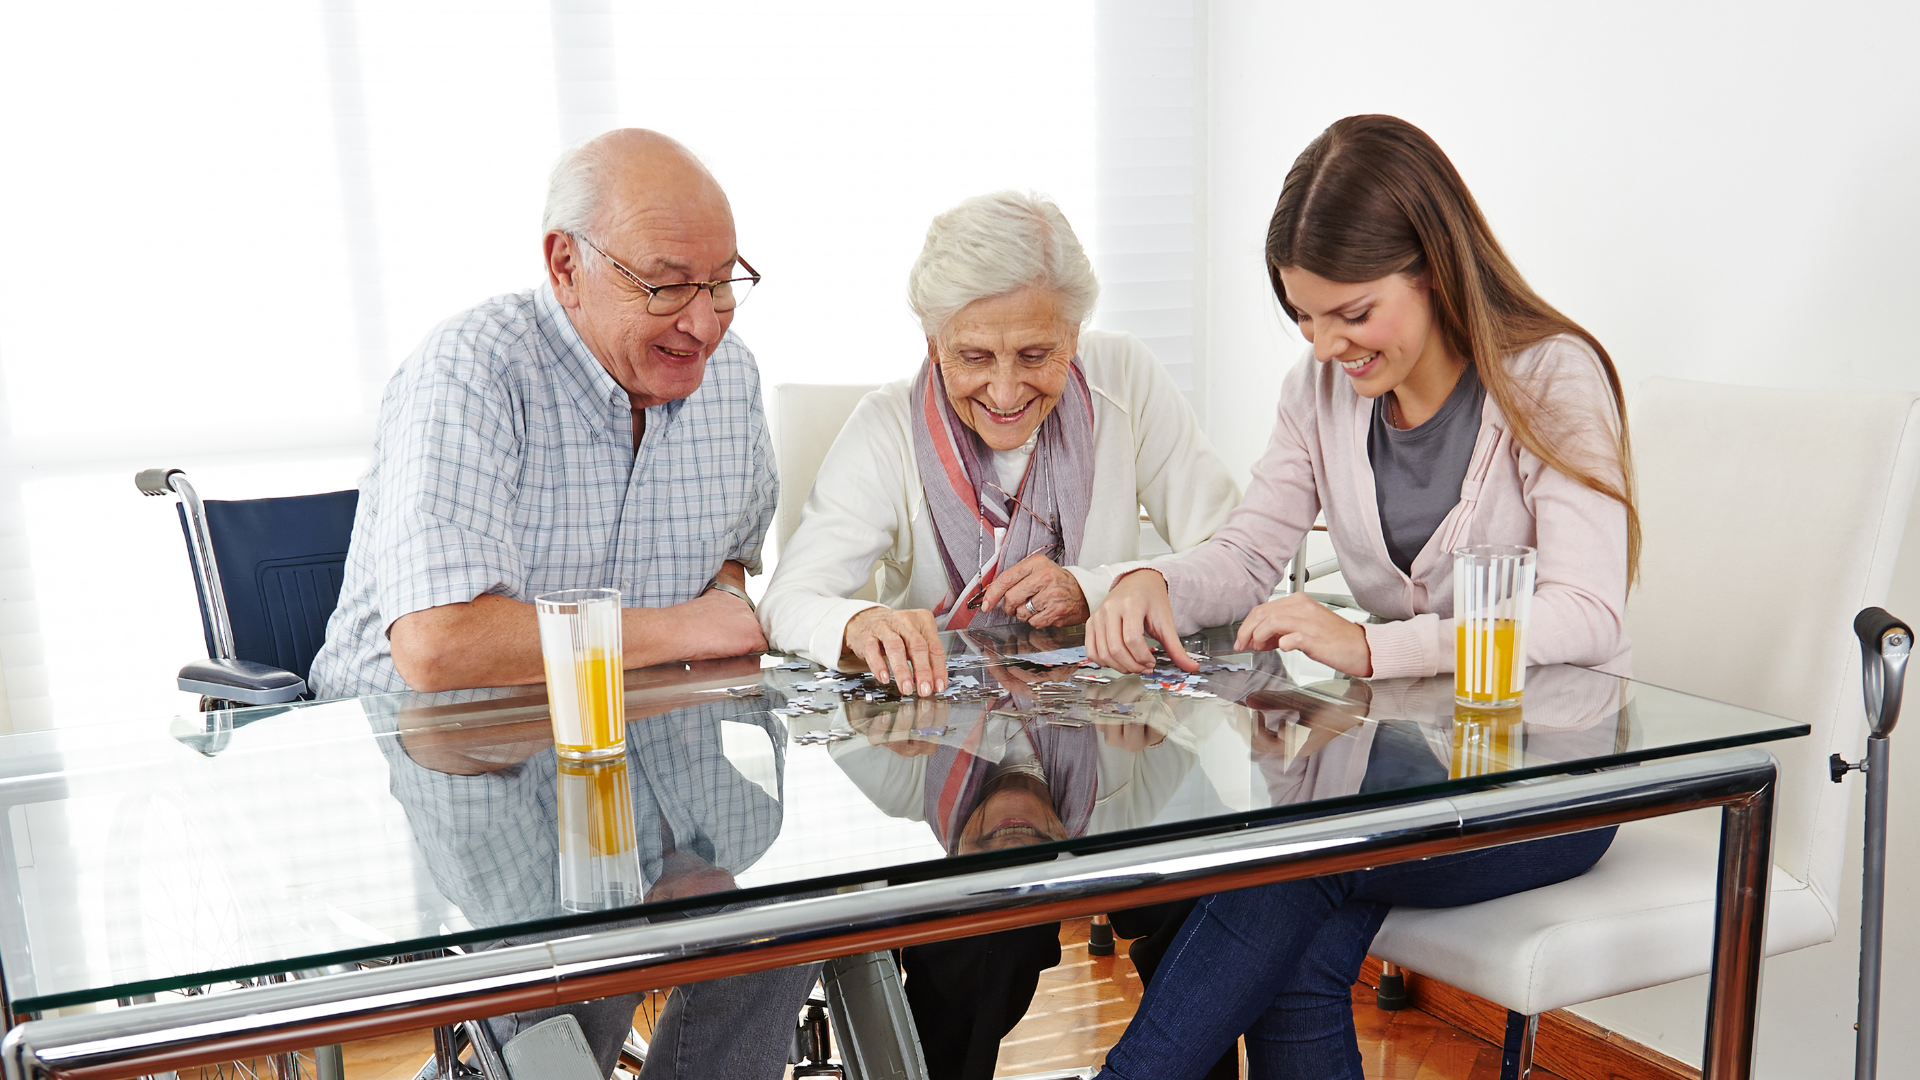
(1277, 962)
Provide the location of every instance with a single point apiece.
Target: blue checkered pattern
(491, 840)
(504, 464)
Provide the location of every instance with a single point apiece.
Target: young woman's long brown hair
(1374, 196)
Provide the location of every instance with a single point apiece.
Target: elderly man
(601, 431)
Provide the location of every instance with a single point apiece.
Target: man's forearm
(495, 641)
(488, 641)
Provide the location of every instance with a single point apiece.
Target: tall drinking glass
(1492, 602)
(599, 859)
(580, 642)
(1486, 741)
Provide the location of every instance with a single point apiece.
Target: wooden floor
(1078, 1013)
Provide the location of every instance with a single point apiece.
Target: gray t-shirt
(1417, 473)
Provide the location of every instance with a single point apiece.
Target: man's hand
(719, 624)
(494, 641)
(899, 646)
(1298, 622)
(1039, 592)
(1136, 606)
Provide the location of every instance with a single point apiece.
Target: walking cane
(1885, 644)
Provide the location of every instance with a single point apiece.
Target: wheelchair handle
(155, 481)
(1885, 645)
(206, 571)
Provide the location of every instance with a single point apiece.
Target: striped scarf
(981, 531)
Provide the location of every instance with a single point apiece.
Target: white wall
(1720, 192)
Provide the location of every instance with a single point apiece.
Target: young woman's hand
(1297, 622)
(901, 646)
(1135, 607)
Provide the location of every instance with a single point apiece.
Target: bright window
(226, 226)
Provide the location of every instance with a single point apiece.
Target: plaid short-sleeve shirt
(504, 463)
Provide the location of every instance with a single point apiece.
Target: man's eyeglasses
(669, 299)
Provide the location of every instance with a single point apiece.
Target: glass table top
(149, 857)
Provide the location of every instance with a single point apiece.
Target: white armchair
(1738, 487)
(806, 418)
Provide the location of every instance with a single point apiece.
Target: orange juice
(1485, 741)
(591, 720)
(599, 860)
(597, 803)
(1488, 668)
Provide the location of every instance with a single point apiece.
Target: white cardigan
(867, 503)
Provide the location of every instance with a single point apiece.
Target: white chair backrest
(1771, 517)
(807, 417)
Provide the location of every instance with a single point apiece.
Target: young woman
(1443, 404)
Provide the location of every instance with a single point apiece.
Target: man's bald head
(621, 172)
(628, 213)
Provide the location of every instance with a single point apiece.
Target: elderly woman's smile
(1005, 362)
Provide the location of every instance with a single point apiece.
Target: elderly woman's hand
(1039, 592)
(905, 727)
(902, 644)
(1297, 622)
(1136, 606)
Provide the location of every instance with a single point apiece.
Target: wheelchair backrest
(281, 563)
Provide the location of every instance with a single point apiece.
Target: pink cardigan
(1317, 460)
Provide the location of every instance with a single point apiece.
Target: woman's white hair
(991, 245)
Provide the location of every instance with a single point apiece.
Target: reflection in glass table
(285, 839)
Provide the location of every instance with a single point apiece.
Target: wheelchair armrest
(241, 681)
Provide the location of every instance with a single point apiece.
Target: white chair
(807, 417)
(1771, 517)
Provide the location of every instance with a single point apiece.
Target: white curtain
(227, 224)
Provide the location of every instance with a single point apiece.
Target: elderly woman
(998, 483)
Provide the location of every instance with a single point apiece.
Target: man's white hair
(991, 245)
(573, 191)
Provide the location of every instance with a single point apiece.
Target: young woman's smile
(1381, 333)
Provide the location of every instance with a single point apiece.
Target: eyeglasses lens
(731, 294)
(668, 299)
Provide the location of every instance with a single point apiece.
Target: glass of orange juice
(599, 858)
(1486, 741)
(1492, 601)
(580, 642)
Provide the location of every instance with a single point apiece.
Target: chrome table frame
(363, 1004)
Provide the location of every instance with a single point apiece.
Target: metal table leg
(1739, 936)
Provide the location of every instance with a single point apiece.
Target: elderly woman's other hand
(1039, 592)
(1136, 607)
(901, 645)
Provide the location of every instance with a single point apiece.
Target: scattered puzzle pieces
(821, 738)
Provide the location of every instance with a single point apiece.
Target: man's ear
(563, 268)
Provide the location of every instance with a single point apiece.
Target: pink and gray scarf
(981, 531)
(956, 776)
